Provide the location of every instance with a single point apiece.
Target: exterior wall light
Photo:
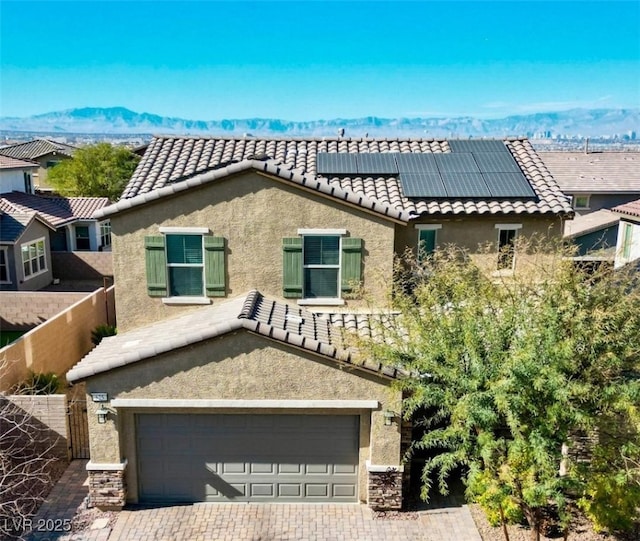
(389, 416)
(102, 413)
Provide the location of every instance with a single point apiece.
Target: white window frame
(324, 301)
(192, 299)
(627, 240)
(36, 259)
(427, 227)
(5, 251)
(507, 227)
(105, 233)
(586, 206)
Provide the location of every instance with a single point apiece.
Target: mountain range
(119, 120)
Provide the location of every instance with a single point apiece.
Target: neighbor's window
(581, 201)
(33, 258)
(4, 266)
(82, 237)
(506, 245)
(321, 257)
(105, 234)
(28, 187)
(627, 235)
(427, 239)
(185, 265)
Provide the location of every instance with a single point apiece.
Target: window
(185, 265)
(105, 234)
(320, 265)
(82, 237)
(581, 201)
(28, 188)
(506, 245)
(33, 258)
(4, 266)
(427, 239)
(627, 234)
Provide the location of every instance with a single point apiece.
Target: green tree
(504, 372)
(100, 170)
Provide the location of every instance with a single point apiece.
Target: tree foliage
(504, 371)
(100, 170)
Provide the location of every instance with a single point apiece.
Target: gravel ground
(582, 531)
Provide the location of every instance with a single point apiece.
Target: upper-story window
(321, 265)
(427, 239)
(507, 234)
(83, 242)
(4, 266)
(105, 234)
(28, 187)
(34, 258)
(185, 265)
(627, 238)
(581, 202)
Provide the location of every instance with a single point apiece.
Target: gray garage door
(216, 458)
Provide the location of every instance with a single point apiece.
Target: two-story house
(236, 262)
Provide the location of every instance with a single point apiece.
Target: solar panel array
(474, 169)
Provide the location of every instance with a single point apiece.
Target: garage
(247, 458)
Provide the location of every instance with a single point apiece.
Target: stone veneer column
(385, 488)
(107, 487)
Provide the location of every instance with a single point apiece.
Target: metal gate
(78, 428)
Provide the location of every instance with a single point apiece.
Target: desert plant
(102, 331)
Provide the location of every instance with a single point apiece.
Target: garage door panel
(247, 458)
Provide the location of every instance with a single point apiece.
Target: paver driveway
(288, 522)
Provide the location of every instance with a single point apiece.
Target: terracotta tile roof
(272, 319)
(13, 224)
(280, 172)
(587, 223)
(631, 209)
(171, 159)
(36, 148)
(6, 162)
(56, 210)
(596, 172)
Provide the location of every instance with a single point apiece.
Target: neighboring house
(72, 218)
(45, 153)
(16, 175)
(594, 235)
(628, 242)
(237, 264)
(25, 251)
(596, 180)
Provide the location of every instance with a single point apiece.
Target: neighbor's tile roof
(7, 162)
(13, 224)
(595, 172)
(56, 210)
(170, 160)
(632, 208)
(276, 320)
(293, 176)
(587, 223)
(36, 148)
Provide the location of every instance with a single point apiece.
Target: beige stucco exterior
(253, 213)
(242, 366)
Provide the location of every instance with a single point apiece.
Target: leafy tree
(100, 170)
(504, 372)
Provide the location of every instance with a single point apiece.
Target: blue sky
(319, 60)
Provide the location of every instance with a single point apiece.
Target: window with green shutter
(185, 265)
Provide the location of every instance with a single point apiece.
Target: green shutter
(292, 267)
(156, 266)
(214, 269)
(351, 263)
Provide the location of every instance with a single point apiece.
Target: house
(237, 263)
(16, 175)
(596, 180)
(45, 153)
(628, 242)
(594, 235)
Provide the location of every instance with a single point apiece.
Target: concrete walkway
(446, 519)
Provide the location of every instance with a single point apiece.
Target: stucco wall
(474, 233)
(82, 265)
(24, 310)
(59, 343)
(254, 213)
(241, 366)
(599, 201)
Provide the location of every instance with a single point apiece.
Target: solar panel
(508, 185)
(456, 163)
(336, 164)
(496, 162)
(465, 185)
(422, 185)
(477, 145)
(377, 164)
(416, 163)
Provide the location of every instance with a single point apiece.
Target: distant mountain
(119, 120)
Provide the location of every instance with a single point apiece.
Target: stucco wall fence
(81, 265)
